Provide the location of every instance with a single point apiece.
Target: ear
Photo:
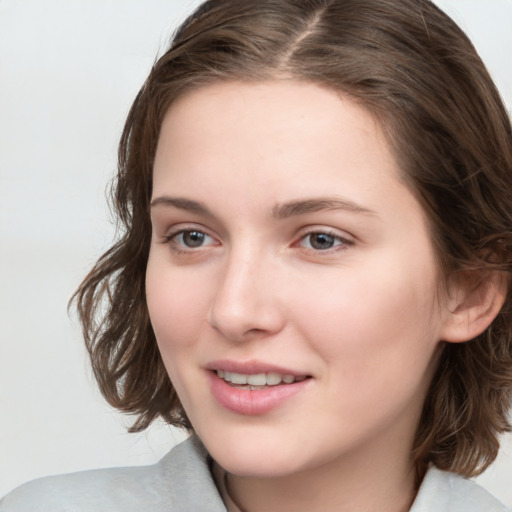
(475, 299)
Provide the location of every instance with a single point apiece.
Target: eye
(189, 239)
(322, 241)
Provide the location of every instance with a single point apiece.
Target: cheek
(176, 309)
(377, 337)
(176, 306)
(374, 322)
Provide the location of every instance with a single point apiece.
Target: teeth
(273, 379)
(258, 379)
(238, 378)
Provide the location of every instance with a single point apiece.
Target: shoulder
(447, 492)
(180, 480)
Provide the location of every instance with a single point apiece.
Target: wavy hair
(417, 73)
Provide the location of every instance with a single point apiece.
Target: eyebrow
(279, 211)
(303, 206)
(183, 204)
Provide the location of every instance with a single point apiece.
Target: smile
(257, 381)
(256, 392)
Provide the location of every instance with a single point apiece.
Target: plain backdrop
(69, 70)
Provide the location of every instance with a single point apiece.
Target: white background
(69, 70)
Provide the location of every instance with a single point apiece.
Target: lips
(253, 388)
(258, 380)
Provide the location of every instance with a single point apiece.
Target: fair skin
(284, 242)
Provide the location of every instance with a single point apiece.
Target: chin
(258, 467)
(254, 456)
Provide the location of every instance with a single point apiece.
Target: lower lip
(252, 402)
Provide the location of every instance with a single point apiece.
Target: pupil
(193, 238)
(321, 241)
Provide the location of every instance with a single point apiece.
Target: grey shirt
(182, 482)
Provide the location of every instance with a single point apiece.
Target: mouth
(255, 388)
(258, 381)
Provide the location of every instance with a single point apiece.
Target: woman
(314, 272)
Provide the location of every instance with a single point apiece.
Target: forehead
(287, 127)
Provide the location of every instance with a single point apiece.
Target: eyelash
(342, 243)
(171, 240)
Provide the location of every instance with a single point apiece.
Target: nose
(246, 303)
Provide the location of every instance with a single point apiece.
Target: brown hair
(409, 65)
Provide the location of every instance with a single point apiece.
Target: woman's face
(288, 256)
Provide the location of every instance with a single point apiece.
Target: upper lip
(251, 367)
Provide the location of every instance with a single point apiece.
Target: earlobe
(475, 301)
